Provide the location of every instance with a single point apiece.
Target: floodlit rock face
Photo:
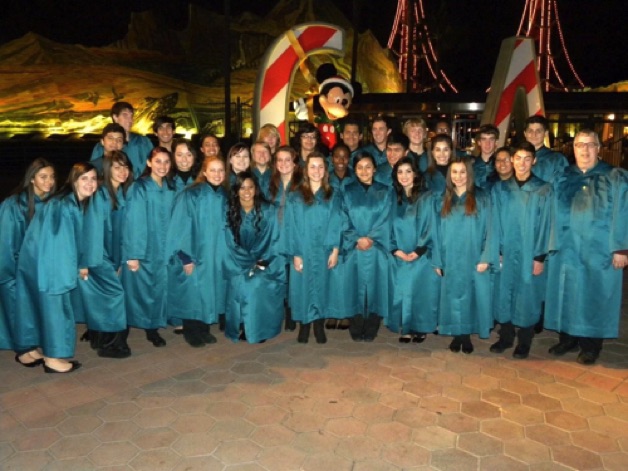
(62, 88)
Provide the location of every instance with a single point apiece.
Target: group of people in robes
(270, 237)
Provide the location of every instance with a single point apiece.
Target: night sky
(468, 38)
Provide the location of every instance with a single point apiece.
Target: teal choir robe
(383, 174)
(522, 218)
(338, 184)
(482, 170)
(146, 222)
(47, 276)
(378, 155)
(196, 235)
(435, 181)
(263, 180)
(255, 296)
(461, 242)
(420, 160)
(368, 213)
(549, 164)
(13, 224)
(312, 232)
(584, 291)
(137, 148)
(415, 287)
(102, 294)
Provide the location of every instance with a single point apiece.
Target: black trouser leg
(319, 331)
(193, 332)
(356, 327)
(289, 324)
(304, 333)
(591, 344)
(371, 326)
(525, 335)
(507, 333)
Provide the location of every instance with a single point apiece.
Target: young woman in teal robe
(415, 287)
(313, 233)
(239, 159)
(195, 247)
(16, 212)
(436, 173)
(48, 270)
(521, 223)
(588, 252)
(144, 278)
(341, 173)
(462, 256)
(286, 177)
(253, 265)
(366, 244)
(101, 292)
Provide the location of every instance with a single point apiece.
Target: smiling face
(284, 163)
(586, 150)
(316, 170)
(458, 172)
(351, 136)
(523, 162)
(183, 158)
(124, 119)
(416, 134)
(112, 141)
(364, 170)
(394, 152)
(488, 144)
(441, 152)
(119, 173)
(240, 161)
(86, 185)
(165, 133)
(246, 193)
(261, 157)
(405, 176)
(535, 134)
(210, 146)
(43, 181)
(215, 172)
(380, 133)
(159, 166)
(340, 159)
(503, 165)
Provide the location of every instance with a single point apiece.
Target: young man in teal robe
(521, 222)
(397, 146)
(380, 130)
(589, 250)
(549, 164)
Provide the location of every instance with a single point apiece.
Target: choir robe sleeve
(12, 228)
(333, 238)
(135, 237)
(93, 252)
(179, 241)
(490, 244)
(619, 226)
(56, 224)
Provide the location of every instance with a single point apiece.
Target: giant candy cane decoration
(276, 72)
(515, 74)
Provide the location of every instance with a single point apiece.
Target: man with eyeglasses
(588, 252)
(549, 164)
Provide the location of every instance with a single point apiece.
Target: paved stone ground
(340, 406)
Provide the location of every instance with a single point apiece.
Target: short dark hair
(524, 146)
(163, 120)
(537, 119)
(120, 106)
(398, 138)
(490, 129)
(113, 127)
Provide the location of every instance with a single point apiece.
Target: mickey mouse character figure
(335, 97)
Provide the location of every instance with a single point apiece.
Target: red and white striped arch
(276, 72)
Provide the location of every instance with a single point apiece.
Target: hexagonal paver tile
(359, 448)
(558, 390)
(461, 393)
(38, 414)
(315, 442)
(576, 457)
(523, 415)
(615, 461)
(399, 400)
(361, 394)
(199, 463)
(519, 386)
(273, 435)
(390, 432)
(480, 410)
(189, 423)
(118, 411)
(617, 410)
(231, 429)
(609, 426)
(73, 446)
(547, 435)
(79, 424)
(155, 438)
(373, 413)
(406, 455)
(527, 451)
(565, 420)
(593, 441)
(155, 459)
(502, 429)
(481, 382)
(74, 464)
(303, 422)
(36, 439)
(281, 458)
(196, 444)
(440, 405)
(346, 427)
(459, 460)
(500, 397)
(500, 463)
(113, 454)
(597, 395)
(237, 451)
(434, 438)
(227, 410)
(326, 461)
(458, 423)
(541, 402)
(122, 430)
(27, 460)
(415, 417)
(582, 407)
(480, 444)
(334, 408)
(422, 388)
(153, 418)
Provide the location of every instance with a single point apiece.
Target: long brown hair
(28, 187)
(275, 178)
(431, 162)
(470, 205)
(120, 158)
(306, 188)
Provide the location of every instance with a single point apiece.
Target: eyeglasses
(308, 136)
(582, 145)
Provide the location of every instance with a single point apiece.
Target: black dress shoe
(521, 351)
(319, 331)
(208, 338)
(331, 324)
(467, 347)
(564, 347)
(587, 358)
(32, 364)
(357, 338)
(419, 338)
(178, 330)
(75, 366)
(500, 346)
(455, 344)
(343, 324)
(113, 351)
(153, 336)
(405, 339)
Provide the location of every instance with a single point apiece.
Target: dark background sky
(468, 32)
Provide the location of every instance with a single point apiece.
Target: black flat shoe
(419, 338)
(75, 366)
(564, 347)
(208, 338)
(178, 330)
(587, 358)
(32, 364)
(357, 338)
(343, 324)
(467, 347)
(153, 336)
(319, 331)
(500, 346)
(404, 339)
(304, 333)
(521, 352)
(455, 345)
(331, 324)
